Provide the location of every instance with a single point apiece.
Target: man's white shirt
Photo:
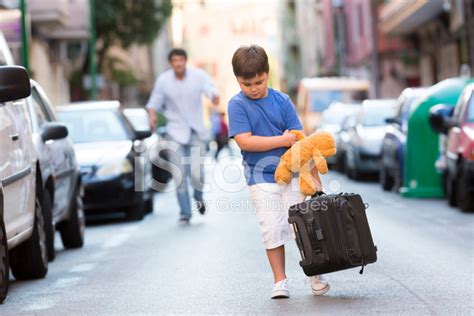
(181, 102)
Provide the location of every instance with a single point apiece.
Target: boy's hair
(177, 52)
(249, 61)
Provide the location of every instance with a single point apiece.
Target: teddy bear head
(325, 143)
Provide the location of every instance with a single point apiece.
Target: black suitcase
(332, 233)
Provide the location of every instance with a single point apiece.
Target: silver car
(363, 152)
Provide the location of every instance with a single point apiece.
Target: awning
(402, 17)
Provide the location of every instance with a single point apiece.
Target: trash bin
(421, 180)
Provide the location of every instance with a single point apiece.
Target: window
(94, 126)
(40, 107)
(470, 110)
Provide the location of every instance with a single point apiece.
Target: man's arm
(210, 89)
(155, 103)
(249, 142)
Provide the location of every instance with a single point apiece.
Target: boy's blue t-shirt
(268, 116)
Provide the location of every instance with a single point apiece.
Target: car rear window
(87, 126)
(470, 110)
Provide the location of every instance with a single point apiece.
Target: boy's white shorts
(271, 202)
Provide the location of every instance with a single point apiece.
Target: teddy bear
(305, 154)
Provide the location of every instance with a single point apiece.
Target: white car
(22, 235)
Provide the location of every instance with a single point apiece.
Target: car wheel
(465, 197)
(137, 211)
(30, 259)
(386, 181)
(451, 188)
(355, 174)
(347, 169)
(73, 229)
(340, 163)
(4, 265)
(149, 207)
(49, 228)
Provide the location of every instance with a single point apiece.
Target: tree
(127, 22)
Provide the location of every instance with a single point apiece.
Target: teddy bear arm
(307, 184)
(320, 161)
(282, 173)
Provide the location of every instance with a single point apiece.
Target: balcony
(402, 17)
(50, 13)
(61, 19)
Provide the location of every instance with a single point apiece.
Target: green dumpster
(421, 180)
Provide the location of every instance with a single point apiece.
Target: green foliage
(127, 22)
(120, 72)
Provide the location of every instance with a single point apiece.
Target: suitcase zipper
(358, 235)
(334, 215)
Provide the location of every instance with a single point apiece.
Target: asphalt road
(218, 264)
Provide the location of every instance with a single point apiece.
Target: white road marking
(83, 267)
(99, 254)
(130, 228)
(116, 240)
(65, 282)
(41, 304)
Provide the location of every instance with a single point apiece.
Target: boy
(259, 120)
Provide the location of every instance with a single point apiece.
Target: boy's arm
(249, 142)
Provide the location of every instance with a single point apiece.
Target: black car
(111, 156)
(139, 119)
(60, 174)
(394, 141)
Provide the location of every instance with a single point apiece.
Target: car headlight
(115, 168)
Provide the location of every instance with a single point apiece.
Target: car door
(454, 134)
(57, 153)
(17, 170)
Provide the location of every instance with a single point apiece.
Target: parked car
(459, 149)
(332, 119)
(314, 95)
(138, 117)
(362, 155)
(393, 144)
(344, 139)
(113, 172)
(22, 235)
(60, 174)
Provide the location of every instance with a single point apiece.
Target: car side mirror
(54, 131)
(393, 120)
(14, 83)
(440, 118)
(142, 134)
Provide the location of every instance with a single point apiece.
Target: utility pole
(469, 21)
(375, 52)
(92, 59)
(24, 36)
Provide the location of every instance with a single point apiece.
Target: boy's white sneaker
(319, 285)
(280, 289)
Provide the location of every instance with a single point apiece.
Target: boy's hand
(288, 138)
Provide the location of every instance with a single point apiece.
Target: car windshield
(138, 119)
(376, 115)
(332, 117)
(470, 111)
(87, 126)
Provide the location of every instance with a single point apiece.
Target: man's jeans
(183, 158)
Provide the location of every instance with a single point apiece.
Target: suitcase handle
(317, 193)
(305, 242)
